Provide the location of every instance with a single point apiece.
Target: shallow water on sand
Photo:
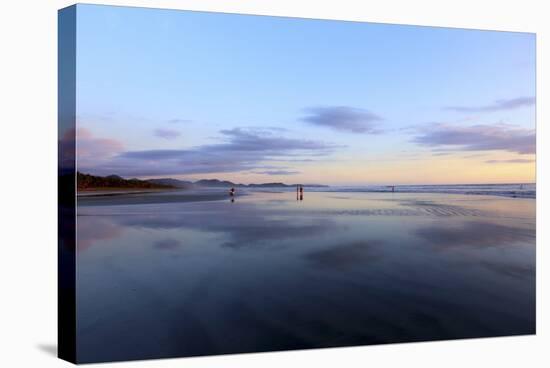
(269, 272)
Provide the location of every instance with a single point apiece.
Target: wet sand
(114, 198)
(269, 272)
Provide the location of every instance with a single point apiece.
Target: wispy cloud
(511, 161)
(278, 172)
(477, 138)
(178, 121)
(498, 105)
(343, 118)
(264, 140)
(166, 133)
(239, 150)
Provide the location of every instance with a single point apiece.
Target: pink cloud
(91, 151)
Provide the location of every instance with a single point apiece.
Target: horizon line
(313, 183)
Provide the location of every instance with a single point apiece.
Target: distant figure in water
(299, 192)
(232, 192)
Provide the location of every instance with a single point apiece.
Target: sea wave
(527, 190)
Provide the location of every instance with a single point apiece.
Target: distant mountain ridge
(86, 181)
(175, 183)
(216, 183)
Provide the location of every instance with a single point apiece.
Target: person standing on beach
(232, 192)
(301, 192)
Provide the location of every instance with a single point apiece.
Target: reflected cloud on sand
(340, 257)
(511, 270)
(249, 227)
(475, 234)
(167, 244)
(94, 229)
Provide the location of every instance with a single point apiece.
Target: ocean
(527, 190)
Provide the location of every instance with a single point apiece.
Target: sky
(254, 99)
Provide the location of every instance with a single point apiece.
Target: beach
(194, 273)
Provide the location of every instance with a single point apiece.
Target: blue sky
(254, 98)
